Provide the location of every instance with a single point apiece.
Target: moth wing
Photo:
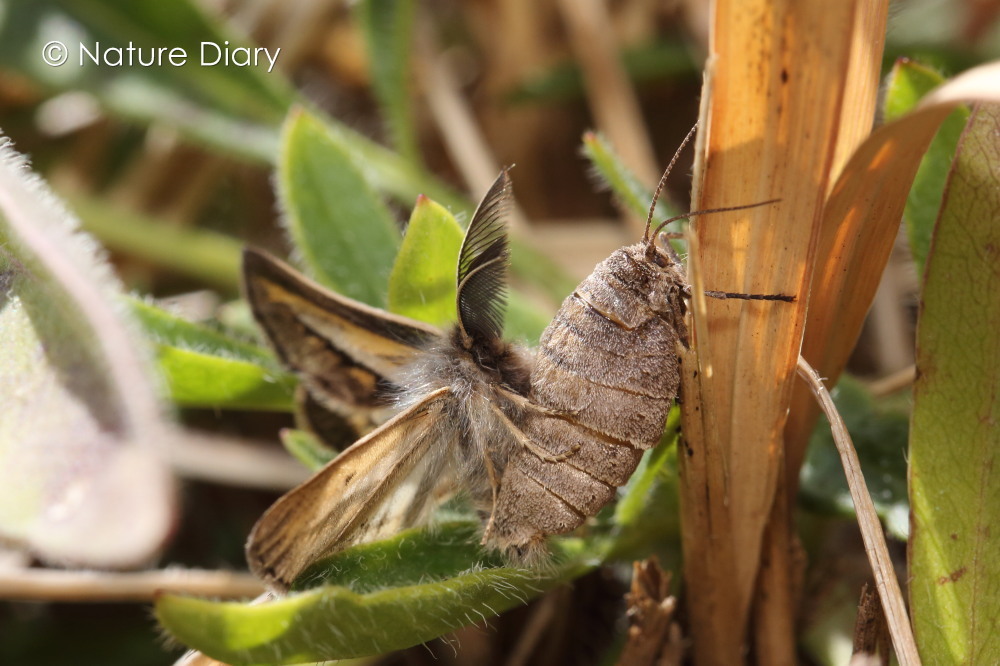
(385, 482)
(343, 351)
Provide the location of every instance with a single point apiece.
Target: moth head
(662, 253)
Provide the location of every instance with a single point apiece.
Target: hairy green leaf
(613, 174)
(438, 581)
(207, 368)
(422, 282)
(954, 438)
(83, 434)
(343, 232)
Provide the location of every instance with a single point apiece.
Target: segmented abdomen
(605, 375)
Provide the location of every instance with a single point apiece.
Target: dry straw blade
(765, 138)
(842, 194)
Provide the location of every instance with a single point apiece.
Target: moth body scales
(604, 375)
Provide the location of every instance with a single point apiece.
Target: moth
(539, 440)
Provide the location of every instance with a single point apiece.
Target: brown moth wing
(336, 428)
(604, 378)
(344, 352)
(385, 482)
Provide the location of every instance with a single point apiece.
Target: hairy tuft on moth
(539, 441)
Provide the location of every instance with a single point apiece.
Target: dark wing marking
(385, 482)
(344, 352)
(337, 428)
(482, 265)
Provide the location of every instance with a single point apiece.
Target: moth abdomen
(603, 380)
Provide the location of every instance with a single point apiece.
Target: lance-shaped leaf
(343, 233)
(860, 223)
(955, 437)
(438, 582)
(82, 438)
(387, 26)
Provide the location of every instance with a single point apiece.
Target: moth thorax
(499, 362)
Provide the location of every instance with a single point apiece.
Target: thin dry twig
(233, 461)
(99, 586)
(653, 636)
(896, 381)
(871, 529)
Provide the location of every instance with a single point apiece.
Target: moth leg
(491, 472)
(524, 403)
(526, 442)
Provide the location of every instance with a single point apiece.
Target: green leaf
(879, 432)
(207, 368)
(608, 167)
(306, 448)
(387, 26)
(908, 83)
(422, 282)
(436, 584)
(206, 381)
(342, 230)
(167, 328)
(954, 438)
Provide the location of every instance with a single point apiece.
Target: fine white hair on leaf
(94, 408)
(45, 238)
